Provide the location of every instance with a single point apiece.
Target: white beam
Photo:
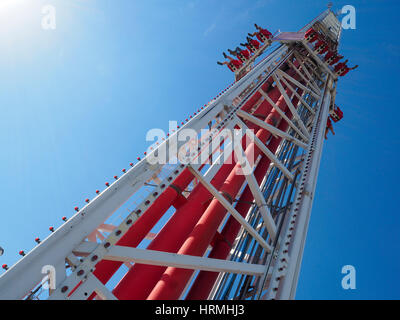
(321, 64)
(283, 115)
(231, 210)
(90, 285)
(290, 105)
(298, 84)
(106, 227)
(265, 150)
(26, 274)
(305, 198)
(309, 81)
(301, 60)
(313, 70)
(159, 258)
(270, 128)
(258, 196)
(297, 95)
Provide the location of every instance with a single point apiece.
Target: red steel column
(173, 280)
(140, 280)
(137, 283)
(205, 280)
(105, 269)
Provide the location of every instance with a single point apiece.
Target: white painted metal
(321, 64)
(159, 258)
(92, 284)
(86, 266)
(290, 105)
(287, 263)
(288, 290)
(274, 130)
(284, 116)
(297, 83)
(265, 150)
(298, 96)
(231, 210)
(312, 73)
(68, 241)
(309, 81)
(151, 257)
(303, 68)
(255, 190)
(26, 274)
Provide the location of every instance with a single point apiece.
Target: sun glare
(16, 18)
(9, 4)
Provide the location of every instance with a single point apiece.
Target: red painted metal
(205, 280)
(105, 269)
(140, 280)
(173, 280)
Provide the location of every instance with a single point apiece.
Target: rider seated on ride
(321, 47)
(336, 114)
(251, 44)
(345, 69)
(311, 35)
(233, 64)
(332, 57)
(340, 65)
(329, 126)
(335, 59)
(262, 34)
(242, 55)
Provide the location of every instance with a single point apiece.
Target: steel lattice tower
(202, 230)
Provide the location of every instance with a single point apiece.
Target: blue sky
(77, 101)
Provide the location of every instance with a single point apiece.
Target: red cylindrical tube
(205, 280)
(173, 280)
(139, 281)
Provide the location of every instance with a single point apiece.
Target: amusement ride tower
(217, 219)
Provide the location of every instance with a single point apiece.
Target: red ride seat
(235, 65)
(263, 35)
(336, 114)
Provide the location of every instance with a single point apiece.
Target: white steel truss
(275, 226)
